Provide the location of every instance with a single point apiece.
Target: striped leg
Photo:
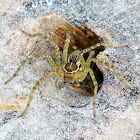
(65, 51)
(52, 74)
(59, 83)
(98, 45)
(95, 90)
(81, 90)
(110, 66)
(57, 52)
(81, 76)
(49, 58)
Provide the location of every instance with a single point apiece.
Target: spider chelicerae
(73, 69)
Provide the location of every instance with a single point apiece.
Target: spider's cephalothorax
(69, 70)
(72, 70)
(74, 56)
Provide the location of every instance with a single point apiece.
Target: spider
(72, 69)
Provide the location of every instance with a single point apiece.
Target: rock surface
(66, 114)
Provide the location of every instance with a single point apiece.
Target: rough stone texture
(50, 115)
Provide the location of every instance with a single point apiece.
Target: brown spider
(73, 69)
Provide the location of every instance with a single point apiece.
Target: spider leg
(81, 59)
(57, 52)
(81, 90)
(65, 51)
(49, 58)
(59, 84)
(52, 74)
(110, 66)
(98, 45)
(76, 87)
(81, 76)
(91, 54)
(95, 90)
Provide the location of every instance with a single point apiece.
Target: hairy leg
(52, 74)
(57, 52)
(65, 51)
(81, 90)
(95, 90)
(49, 58)
(81, 75)
(98, 45)
(110, 66)
(59, 83)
